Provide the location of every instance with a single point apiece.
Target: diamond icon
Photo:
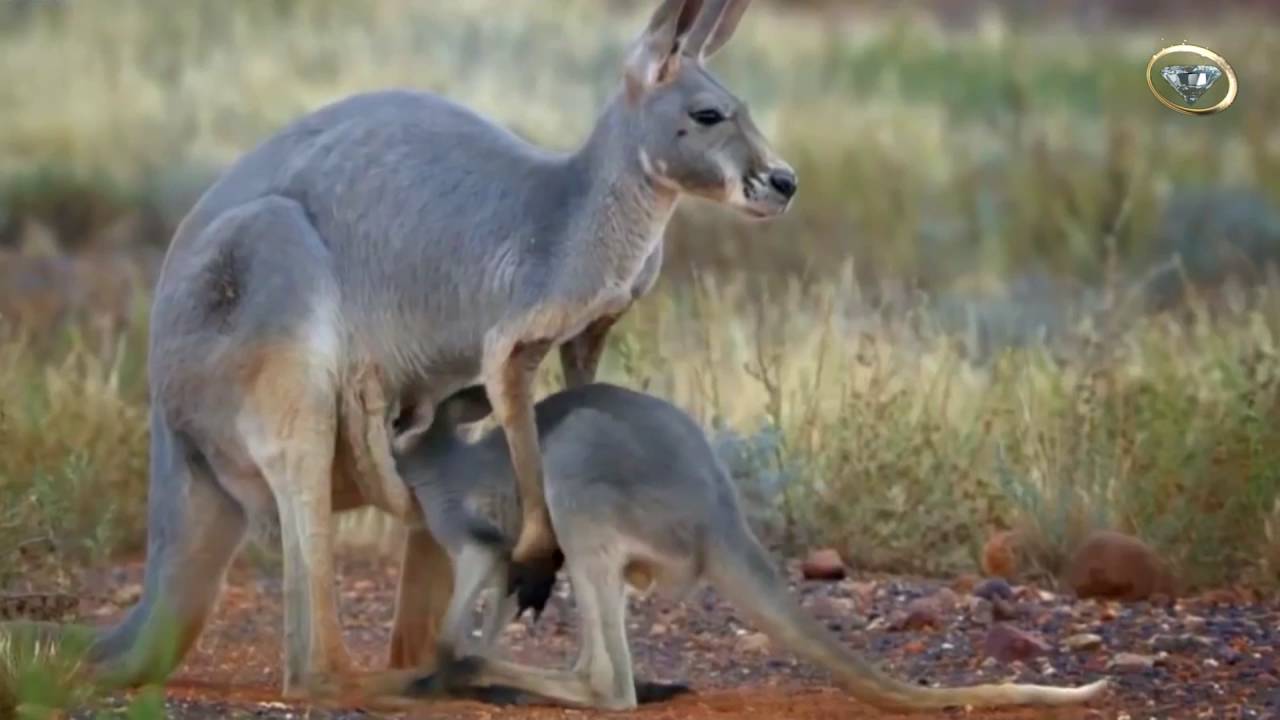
(1191, 81)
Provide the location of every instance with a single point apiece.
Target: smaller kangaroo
(638, 498)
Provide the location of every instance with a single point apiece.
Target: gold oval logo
(1192, 80)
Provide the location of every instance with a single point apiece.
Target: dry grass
(875, 430)
(854, 414)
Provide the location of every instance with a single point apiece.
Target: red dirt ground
(235, 669)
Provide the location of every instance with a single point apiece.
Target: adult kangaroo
(640, 500)
(364, 263)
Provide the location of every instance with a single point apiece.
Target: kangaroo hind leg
(600, 679)
(281, 362)
(289, 427)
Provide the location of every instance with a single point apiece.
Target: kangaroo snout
(784, 181)
(768, 193)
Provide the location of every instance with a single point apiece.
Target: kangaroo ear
(714, 27)
(655, 56)
(468, 405)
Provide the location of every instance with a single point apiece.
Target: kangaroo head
(693, 135)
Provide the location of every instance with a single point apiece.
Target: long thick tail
(194, 529)
(741, 569)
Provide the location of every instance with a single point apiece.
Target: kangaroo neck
(619, 212)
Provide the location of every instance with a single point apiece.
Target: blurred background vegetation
(1014, 292)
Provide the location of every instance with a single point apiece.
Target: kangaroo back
(741, 570)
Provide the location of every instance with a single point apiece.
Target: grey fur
(639, 498)
(363, 263)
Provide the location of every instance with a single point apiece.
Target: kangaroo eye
(710, 116)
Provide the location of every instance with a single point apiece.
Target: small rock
(1000, 555)
(946, 598)
(1194, 623)
(127, 594)
(1007, 644)
(1113, 565)
(834, 606)
(1186, 643)
(1230, 656)
(920, 613)
(657, 630)
(965, 583)
(981, 611)
(1002, 610)
(993, 589)
(1131, 662)
(752, 643)
(823, 564)
(914, 647)
(863, 591)
(1083, 642)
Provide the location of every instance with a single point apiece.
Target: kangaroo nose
(784, 181)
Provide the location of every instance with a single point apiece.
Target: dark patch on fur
(532, 583)
(486, 534)
(656, 692)
(225, 277)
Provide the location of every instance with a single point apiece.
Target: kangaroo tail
(741, 569)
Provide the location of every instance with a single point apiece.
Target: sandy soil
(1215, 656)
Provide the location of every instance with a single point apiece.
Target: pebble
(1132, 662)
(981, 611)
(920, 613)
(1008, 644)
(1186, 643)
(823, 564)
(752, 643)
(1229, 656)
(946, 598)
(863, 590)
(1083, 642)
(1002, 610)
(993, 589)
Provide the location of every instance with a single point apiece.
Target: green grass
(41, 678)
